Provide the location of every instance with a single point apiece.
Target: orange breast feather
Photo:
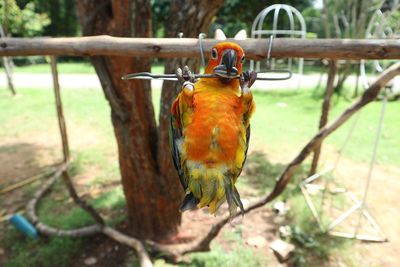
(212, 137)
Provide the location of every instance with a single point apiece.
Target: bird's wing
(244, 136)
(181, 109)
(242, 151)
(175, 136)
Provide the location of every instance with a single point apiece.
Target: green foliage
(232, 17)
(393, 22)
(63, 17)
(312, 18)
(22, 22)
(160, 10)
(237, 14)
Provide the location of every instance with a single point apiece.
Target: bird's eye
(242, 60)
(214, 53)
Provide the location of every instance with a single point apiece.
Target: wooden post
(7, 66)
(326, 105)
(60, 114)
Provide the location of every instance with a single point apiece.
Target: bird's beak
(227, 69)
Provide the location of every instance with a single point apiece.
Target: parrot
(210, 130)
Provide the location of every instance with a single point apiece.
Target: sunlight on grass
(70, 68)
(285, 129)
(218, 257)
(63, 67)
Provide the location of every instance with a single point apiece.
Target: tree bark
(189, 47)
(152, 196)
(191, 18)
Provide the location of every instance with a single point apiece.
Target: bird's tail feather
(189, 202)
(233, 198)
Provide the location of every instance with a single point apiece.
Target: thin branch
(131, 242)
(46, 229)
(83, 204)
(97, 228)
(60, 112)
(326, 105)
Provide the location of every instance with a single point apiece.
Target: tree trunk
(191, 18)
(152, 193)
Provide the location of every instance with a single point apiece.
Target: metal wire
(201, 37)
(271, 39)
(173, 77)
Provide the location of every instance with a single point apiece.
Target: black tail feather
(236, 199)
(189, 202)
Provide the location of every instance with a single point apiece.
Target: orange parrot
(210, 130)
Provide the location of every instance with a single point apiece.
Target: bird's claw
(247, 79)
(185, 75)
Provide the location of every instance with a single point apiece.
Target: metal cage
(297, 29)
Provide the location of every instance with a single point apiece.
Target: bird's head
(226, 61)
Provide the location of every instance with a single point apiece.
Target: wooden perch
(189, 47)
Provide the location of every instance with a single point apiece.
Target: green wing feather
(174, 135)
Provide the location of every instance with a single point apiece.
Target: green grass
(285, 130)
(313, 246)
(47, 252)
(60, 251)
(218, 257)
(69, 67)
(63, 67)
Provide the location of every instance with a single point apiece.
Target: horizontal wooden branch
(189, 47)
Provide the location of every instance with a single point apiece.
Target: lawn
(68, 67)
(284, 121)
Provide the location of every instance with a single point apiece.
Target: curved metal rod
(173, 77)
(201, 37)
